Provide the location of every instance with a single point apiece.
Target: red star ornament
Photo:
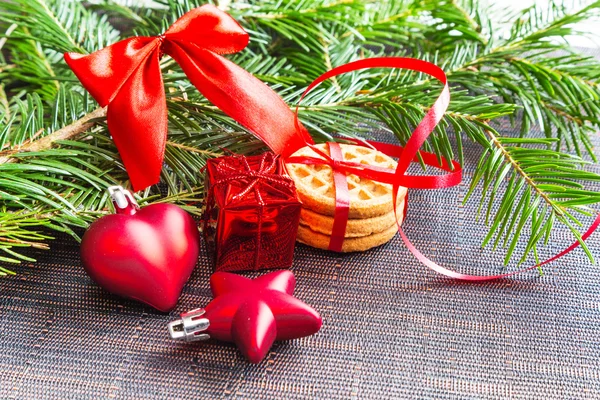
(250, 313)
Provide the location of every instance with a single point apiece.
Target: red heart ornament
(145, 254)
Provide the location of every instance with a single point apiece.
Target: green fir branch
(57, 158)
(526, 185)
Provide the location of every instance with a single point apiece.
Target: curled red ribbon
(126, 77)
(405, 155)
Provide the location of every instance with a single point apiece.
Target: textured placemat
(392, 328)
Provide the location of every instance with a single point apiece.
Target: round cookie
(321, 241)
(368, 198)
(355, 227)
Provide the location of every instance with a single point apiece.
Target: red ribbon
(342, 199)
(405, 156)
(126, 77)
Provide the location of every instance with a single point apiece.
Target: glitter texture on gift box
(252, 213)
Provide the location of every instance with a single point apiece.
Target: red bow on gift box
(126, 77)
(237, 170)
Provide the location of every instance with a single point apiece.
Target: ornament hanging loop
(123, 200)
(190, 326)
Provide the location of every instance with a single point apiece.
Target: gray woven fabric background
(392, 328)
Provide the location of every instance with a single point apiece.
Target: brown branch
(76, 128)
(36, 245)
(193, 149)
(508, 157)
(563, 114)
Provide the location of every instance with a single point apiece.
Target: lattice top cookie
(314, 183)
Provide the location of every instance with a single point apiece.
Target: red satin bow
(126, 77)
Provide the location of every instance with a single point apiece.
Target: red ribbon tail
(483, 278)
(342, 201)
(137, 120)
(126, 77)
(240, 95)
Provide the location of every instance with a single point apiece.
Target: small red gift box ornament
(252, 213)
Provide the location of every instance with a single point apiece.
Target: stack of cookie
(371, 218)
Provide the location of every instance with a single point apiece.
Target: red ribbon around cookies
(126, 77)
(405, 155)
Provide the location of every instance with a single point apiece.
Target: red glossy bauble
(144, 254)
